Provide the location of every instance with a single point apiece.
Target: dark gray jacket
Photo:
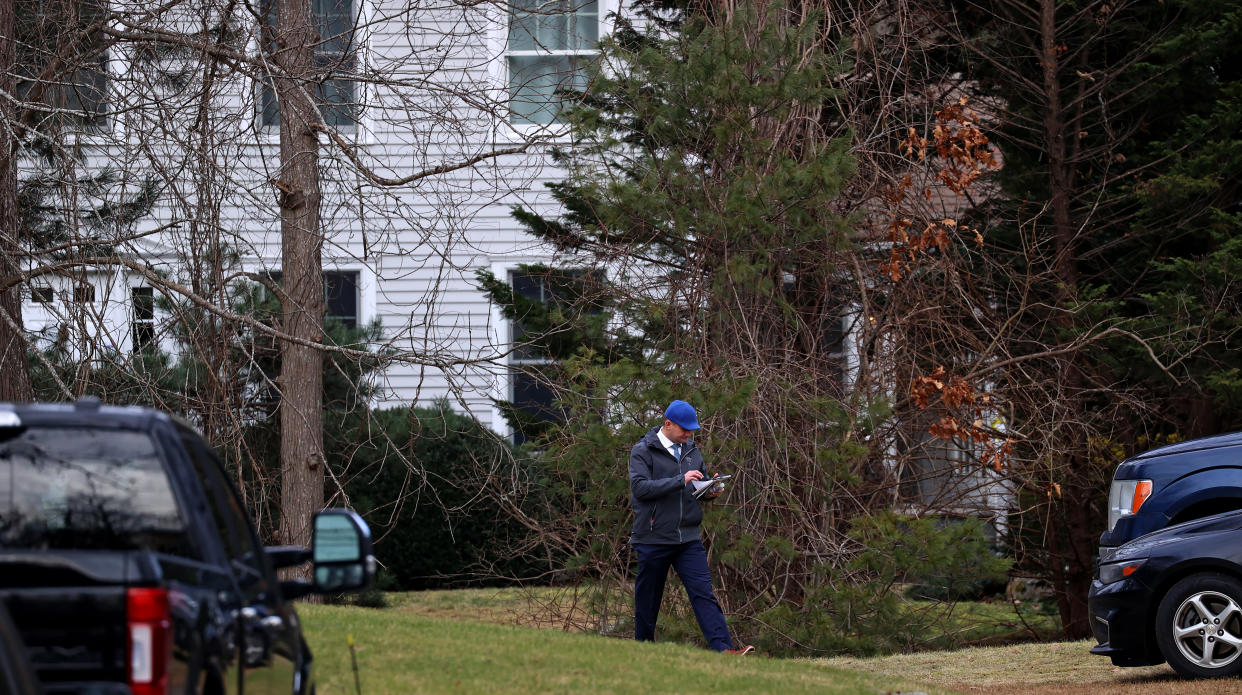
(664, 510)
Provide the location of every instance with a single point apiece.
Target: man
(663, 464)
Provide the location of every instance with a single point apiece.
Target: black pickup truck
(128, 564)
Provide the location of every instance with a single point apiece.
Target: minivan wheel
(1199, 626)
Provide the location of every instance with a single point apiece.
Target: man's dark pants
(690, 562)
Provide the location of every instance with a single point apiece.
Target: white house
(416, 87)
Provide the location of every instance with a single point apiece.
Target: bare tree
(14, 376)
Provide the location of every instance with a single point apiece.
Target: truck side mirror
(341, 558)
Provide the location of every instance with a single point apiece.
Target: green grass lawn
(495, 641)
(400, 651)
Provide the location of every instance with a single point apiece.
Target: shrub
(414, 475)
(858, 610)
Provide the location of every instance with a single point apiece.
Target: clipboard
(706, 488)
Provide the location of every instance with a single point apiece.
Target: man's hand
(692, 475)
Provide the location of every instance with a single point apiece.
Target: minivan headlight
(1116, 571)
(1124, 499)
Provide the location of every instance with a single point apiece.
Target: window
(84, 294)
(143, 328)
(549, 46)
(62, 61)
(42, 295)
(87, 488)
(232, 522)
(532, 398)
(340, 295)
(335, 55)
(534, 369)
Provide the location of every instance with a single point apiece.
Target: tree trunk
(1071, 575)
(302, 301)
(14, 376)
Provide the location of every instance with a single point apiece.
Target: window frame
(78, 124)
(358, 131)
(143, 324)
(364, 288)
(498, 69)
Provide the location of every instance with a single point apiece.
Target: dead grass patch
(1049, 668)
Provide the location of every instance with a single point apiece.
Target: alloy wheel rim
(1207, 629)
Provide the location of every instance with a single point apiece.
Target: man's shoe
(744, 650)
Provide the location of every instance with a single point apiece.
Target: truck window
(232, 524)
(87, 488)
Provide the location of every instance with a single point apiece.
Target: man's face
(676, 433)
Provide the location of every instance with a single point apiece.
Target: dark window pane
(78, 487)
(269, 107)
(231, 520)
(334, 20)
(834, 337)
(530, 286)
(536, 289)
(534, 402)
(341, 296)
(143, 336)
(42, 295)
(84, 294)
(144, 303)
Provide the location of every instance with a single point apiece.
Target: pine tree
(704, 184)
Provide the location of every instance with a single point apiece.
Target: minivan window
(86, 488)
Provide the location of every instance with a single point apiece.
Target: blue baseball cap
(682, 413)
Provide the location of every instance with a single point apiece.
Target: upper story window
(336, 60)
(550, 44)
(62, 62)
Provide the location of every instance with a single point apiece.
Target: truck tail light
(150, 640)
(1125, 498)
